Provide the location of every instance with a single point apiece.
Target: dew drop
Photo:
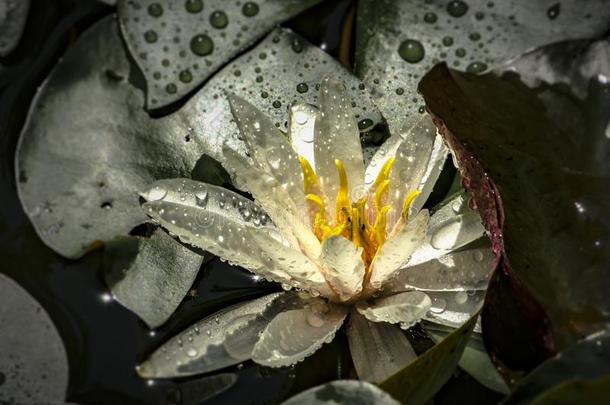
(171, 88)
(156, 194)
(430, 18)
(478, 256)
(277, 104)
(553, 11)
(202, 45)
(191, 353)
(250, 9)
(185, 76)
(460, 52)
(155, 10)
(457, 8)
(150, 36)
(314, 320)
(411, 51)
(461, 297)
(365, 124)
(438, 306)
(300, 117)
(302, 87)
(193, 6)
(201, 197)
(476, 67)
(219, 19)
(447, 41)
(296, 45)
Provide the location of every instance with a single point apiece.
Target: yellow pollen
(352, 218)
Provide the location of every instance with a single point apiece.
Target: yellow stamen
(384, 173)
(311, 184)
(380, 226)
(379, 193)
(342, 204)
(406, 204)
(316, 199)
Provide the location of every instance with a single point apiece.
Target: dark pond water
(103, 340)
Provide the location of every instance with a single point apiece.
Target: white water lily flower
(350, 239)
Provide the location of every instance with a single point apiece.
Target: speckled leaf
(342, 392)
(587, 359)
(399, 41)
(150, 276)
(13, 15)
(179, 44)
(536, 163)
(89, 147)
(209, 344)
(594, 392)
(419, 381)
(33, 361)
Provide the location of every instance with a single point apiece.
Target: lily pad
(13, 15)
(33, 361)
(536, 163)
(89, 147)
(179, 44)
(150, 283)
(342, 392)
(419, 381)
(399, 41)
(586, 360)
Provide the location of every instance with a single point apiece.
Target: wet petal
(452, 226)
(293, 335)
(405, 308)
(343, 392)
(270, 150)
(301, 124)
(209, 217)
(453, 308)
(178, 45)
(343, 266)
(33, 360)
(155, 279)
(337, 137)
(202, 347)
(300, 271)
(397, 249)
(433, 171)
(378, 349)
(462, 270)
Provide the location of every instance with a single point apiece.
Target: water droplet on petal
(191, 353)
(202, 45)
(457, 8)
(201, 197)
(315, 320)
(411, 51)
(438, 306)
(461, 297)
(156, 194)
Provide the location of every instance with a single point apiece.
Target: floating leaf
(13, 16)
(577, 392)
(33, 361)
(179, 44)
(342, 392)
(586, 360)
(150, 276)
(77, 189)
(419, 381)
(535, 162)
(399, 41)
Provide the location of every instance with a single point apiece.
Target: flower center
(363, 221)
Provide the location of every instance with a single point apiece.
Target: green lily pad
(33, 360)
(594, 392)
(585, 361)
(420, 380)
(398, 41)
(179, 44)
(536, 163)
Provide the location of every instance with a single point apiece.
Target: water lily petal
(270, 150)
(202, 347)
(414, 155)
(399, 41)
(433, 171)
(343, 392)
(178, 45)
(337, 137)
(343, 266)
(453, 308)
(155, 278)
(462, 270)
(33, 360)
(378, 349)
(452, 226)
(398, 248)
(405, 308)
(293, 335)
(301, 124)
(301, 272)
(211, 218)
